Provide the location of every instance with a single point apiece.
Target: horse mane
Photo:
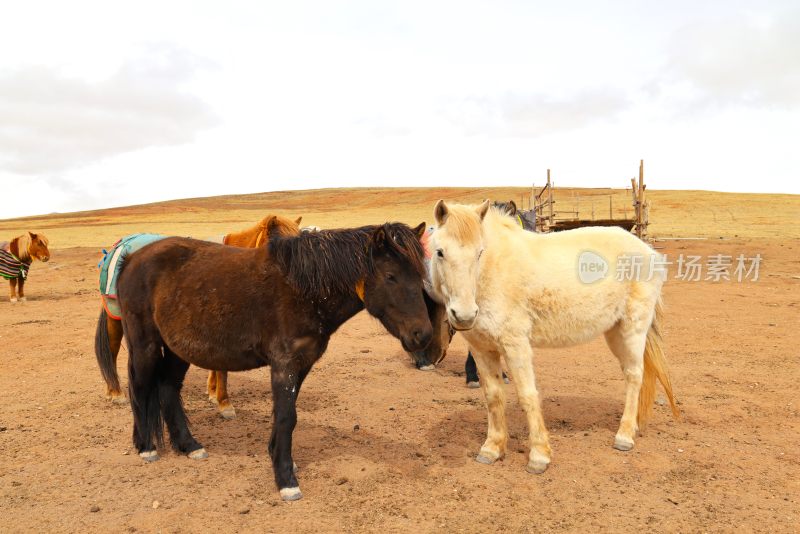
(463, 222)
(501, 215)
(257, 235)
(328, 262)
(24, 244)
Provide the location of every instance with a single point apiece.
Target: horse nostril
(453, 314)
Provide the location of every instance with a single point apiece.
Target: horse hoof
(149, 456)
(119, 399)
(506, 380)
(481, 459)
(295, 469)
(623, 444)
(228, 413)
(199, 454)
(536, 468)
(212, 398)
(291, 494)
(429, 367)
(473, 385)
(14, 300)
(23, 299)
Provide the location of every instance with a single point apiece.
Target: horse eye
(440, 253)
(390, 278)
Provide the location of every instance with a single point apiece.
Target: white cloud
(52, 123)
(533, 115)
(744, 59)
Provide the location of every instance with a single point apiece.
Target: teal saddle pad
(111, 264)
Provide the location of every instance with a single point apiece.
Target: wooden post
(610, 208)
(550, 198)
(643, 211)
(635, 203)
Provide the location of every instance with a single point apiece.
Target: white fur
(528, 293)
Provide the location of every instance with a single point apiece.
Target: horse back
(218, 307)
(534, 283)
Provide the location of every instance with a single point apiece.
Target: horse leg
(627, 343)
(225, 407)
(144, 354)
(211, 386)
(170, 381)
(21, 289)
(519, 358)
(285, 389)
(12, 282)
(114, 328)
(471, 371)
(473, 381)
(494, 448)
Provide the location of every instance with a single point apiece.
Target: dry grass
(673, 213)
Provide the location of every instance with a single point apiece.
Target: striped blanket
(10, 265)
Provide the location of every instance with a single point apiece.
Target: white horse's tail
(655, 366)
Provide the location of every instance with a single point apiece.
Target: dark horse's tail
(105, 357)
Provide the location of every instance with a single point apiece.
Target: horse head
(275, 225)
(458, 245)
(37, 247)
(392, 289)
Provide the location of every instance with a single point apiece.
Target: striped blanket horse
(16, 257)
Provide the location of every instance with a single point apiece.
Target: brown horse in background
(108, 337)
(188, 302)
(16, 257)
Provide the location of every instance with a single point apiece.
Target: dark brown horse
(192, 302)
(16, 257)
(108, 335)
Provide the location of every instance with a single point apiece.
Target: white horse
(509, 290)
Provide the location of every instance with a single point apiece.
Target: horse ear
(440, 212)
(420, 230)
(512, 207)
(297, 221)
(482, 209)
(379, 237)
(33, 236)
(270, 224)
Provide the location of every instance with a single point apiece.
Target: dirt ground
(382, 446)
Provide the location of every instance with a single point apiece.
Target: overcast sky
(107, 104)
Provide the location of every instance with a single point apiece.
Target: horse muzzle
(418, 340)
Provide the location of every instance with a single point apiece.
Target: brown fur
(217, 383)
(185, 301)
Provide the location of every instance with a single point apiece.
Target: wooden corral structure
(546, 218)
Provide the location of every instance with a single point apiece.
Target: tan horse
(509, 291)
(109, 331)
(16, 257)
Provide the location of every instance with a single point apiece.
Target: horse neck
(24, 255)
(334, 310)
